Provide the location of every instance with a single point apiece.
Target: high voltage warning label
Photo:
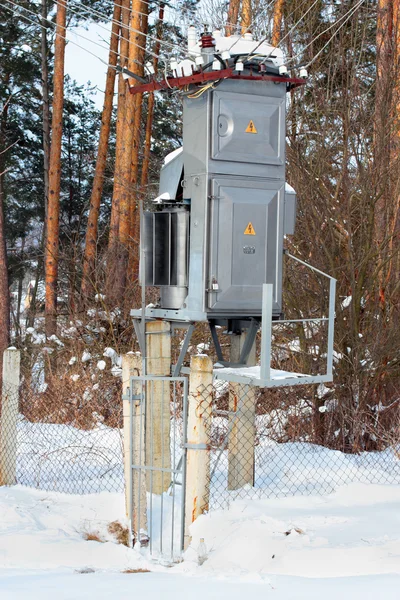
(251, 128)
(249, 230)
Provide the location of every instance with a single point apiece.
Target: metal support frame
(268, 377)
(247, 346)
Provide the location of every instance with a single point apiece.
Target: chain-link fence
(64, 442)
(260, 442)
(263, 444)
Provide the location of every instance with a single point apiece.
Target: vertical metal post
(266, 332)
(331, 326)
(184, 463)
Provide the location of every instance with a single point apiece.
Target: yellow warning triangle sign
(251, 128)
(249, 230)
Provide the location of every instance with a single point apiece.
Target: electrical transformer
(216, 233)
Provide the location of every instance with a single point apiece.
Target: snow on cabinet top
(235, 45)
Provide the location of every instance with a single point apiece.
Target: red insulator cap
(207, 41)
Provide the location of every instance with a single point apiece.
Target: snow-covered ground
(346, 544)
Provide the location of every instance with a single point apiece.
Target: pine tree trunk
(277, 22)
(232, 17)
(246, 16)
(129, 160)
(150, 107)
(122, 93)
(45, 105)
(92, 226)
(53, 215)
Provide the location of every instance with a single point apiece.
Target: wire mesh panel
(55, 450)
(156, 495)
(263, 444)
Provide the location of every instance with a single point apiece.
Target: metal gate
(157, 456)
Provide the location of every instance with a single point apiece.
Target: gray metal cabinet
(246, 229)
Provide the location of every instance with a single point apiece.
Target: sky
(82, 66)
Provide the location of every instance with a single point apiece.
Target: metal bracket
(139, 335)
(182, 353)
(196, 446)
(215, 339)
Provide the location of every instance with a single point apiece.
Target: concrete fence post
(158, 413)
(242, 405)
(9, 416)
(198, 440)
(134, 448)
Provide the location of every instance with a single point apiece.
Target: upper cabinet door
(248, 128)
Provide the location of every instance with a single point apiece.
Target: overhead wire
(59, 35)
(93, 11)
(288, 33)
(108, 31)
(346, 16)
(103, 47)
(252, 24)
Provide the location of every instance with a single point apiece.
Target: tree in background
(88, 275)
(53, 207)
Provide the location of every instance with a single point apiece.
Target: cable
(288, 33)
(333, 35)
(105, 29)
(84, 37)
(61, 36)
(15, 4)
(346, 16)
(98, 13)
(251, 24)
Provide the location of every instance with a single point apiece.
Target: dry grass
(129, 571)
(92, 536)
(120, 533)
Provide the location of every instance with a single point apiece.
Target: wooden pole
(158, 415)
(9, 416)
(242, 403)
(134, 448)
(198, 440)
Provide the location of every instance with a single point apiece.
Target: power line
(346, 16)
(289, 32)
(333, 35)
(98, 13)
(251, 25)
(79, 34)
(61, 36)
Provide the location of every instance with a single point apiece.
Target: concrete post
(158, 415)
(242, 401)
(134, 449)
(198, 440)
(9, 416)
